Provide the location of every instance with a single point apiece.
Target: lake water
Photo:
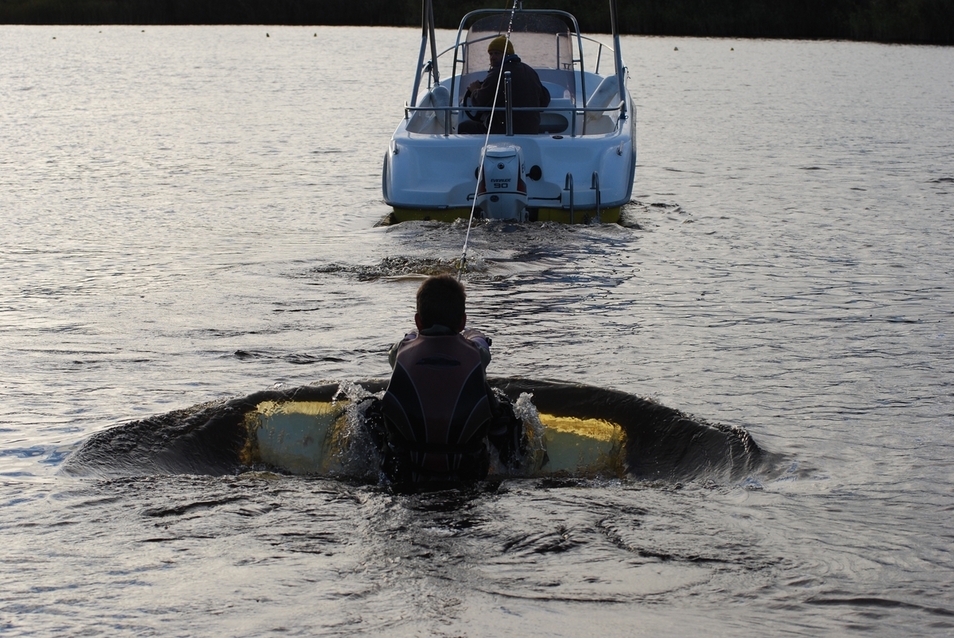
(189, 215)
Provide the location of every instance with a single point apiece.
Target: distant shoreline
(909, 22)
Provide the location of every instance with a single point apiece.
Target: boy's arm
(392, 353)
(482, 342)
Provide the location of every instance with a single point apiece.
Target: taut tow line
(462, 262)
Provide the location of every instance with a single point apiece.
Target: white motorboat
(577, 168)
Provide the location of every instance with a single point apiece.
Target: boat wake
(576, 431)
(497, 251)
(400, 267)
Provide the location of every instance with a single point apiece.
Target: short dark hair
(440, 301)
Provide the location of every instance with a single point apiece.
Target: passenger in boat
(526, 88)
(439, 413)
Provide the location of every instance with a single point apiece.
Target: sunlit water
(189, 215)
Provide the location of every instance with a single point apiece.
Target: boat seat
(556, 120)
(553, 123)
(556, 91)
(431, 122)
(605, 96)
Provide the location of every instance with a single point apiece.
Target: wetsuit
(438, 410)
(527, 91)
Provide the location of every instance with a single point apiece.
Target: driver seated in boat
(526, 88)
(439, 413)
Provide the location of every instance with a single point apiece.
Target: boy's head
(440, 301)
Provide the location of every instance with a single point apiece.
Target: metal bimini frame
(429, 41)
(427, 35)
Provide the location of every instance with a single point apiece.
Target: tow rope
(462, 263)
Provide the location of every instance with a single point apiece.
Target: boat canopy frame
(576, 65)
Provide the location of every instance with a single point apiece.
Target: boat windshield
(541, 40)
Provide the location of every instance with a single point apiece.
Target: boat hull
(434, 177)
(579, 164)
(557, 215)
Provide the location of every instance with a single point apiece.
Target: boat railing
(591, 115)
(599, 50)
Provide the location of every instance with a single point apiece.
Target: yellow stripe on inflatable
(582, 447)
(597, 429)
(300, 437)
(316, 408)
(309, 437)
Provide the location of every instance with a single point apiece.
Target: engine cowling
(502, 192)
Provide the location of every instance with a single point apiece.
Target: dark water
(189, 216)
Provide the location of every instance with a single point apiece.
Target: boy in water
(438, 411)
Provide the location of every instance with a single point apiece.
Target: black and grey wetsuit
(437, 409)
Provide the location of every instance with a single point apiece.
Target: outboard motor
(502, 193)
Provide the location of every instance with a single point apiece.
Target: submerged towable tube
(574, 430)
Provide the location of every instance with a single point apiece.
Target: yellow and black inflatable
(574, 430)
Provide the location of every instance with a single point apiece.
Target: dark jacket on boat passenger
(527, 91)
